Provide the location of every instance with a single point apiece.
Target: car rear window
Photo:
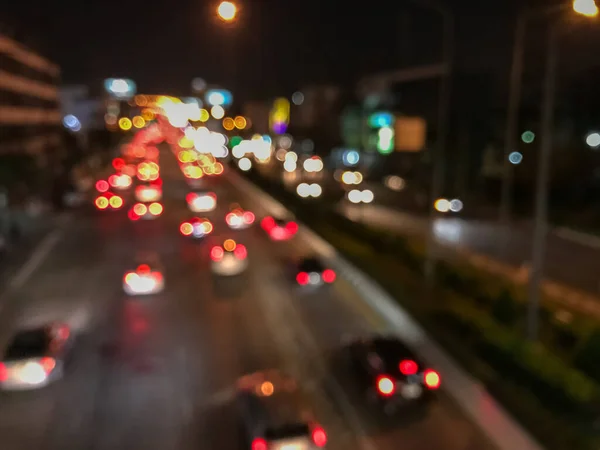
(310, 265)
(286, 431)
(28, 344)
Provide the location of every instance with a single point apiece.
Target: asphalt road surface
(156, 372)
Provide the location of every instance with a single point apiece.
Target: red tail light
(268, 223)
(303, 278)
(190, 197)
(328, 276)
(186, 228)
(408, 367)
(385, 386)
(240, 251)
(113, 180)
(158, 182)
(319, 437)
(118, 163)
(102, 186)
(157, 276)
(217, 253)
(132, 215)
(291, 227)
(259, 444)
(249, 217)
(229, 217)
(3, 372)
(432, 379)
(48, 364)
(143, 269)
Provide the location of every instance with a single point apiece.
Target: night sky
(277, 45)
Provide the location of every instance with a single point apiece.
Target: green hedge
(557, 396)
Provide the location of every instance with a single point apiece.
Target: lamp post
(586, 8)
(437, 181)
(228, 12)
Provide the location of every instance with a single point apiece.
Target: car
(145, 211)
(389, 375)
(274, 413)
(201, 201)
(196, 227)
(311, 272)
(35, 357)
(146, 193)
(144, 280)
(238, 219)
(229, 259)
(279, 229)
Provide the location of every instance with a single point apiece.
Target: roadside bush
(505, 310)
(587, 357)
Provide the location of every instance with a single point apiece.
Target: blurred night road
(156, 372)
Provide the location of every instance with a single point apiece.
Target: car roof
(28, 344)
(310, 264)
(284, 406)
(389, 349)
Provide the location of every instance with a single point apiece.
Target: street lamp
(227, 11)
(587, 8)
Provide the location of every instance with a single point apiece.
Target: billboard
(410, 134)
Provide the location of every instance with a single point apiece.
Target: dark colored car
(311, 272)
(275, 414)
(389, 375)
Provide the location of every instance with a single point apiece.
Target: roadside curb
(467, 392)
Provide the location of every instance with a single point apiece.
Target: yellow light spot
(185, 142)
(229, 245)
(139, 122)
(102, 202)
(125, 124)
(228, 123)
(148, 114)
(156, 209)
(140, 209)
(116, 202)
(204, 115)
(240, 122)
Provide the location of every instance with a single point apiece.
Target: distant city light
(71, 122)
(515, 158)
(528, 137)
(198, 84)
(217, 112)
(593, 140)
(298, 98)
(245, 164)
(351, 157)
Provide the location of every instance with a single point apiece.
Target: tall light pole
(228, 12)
(439, 153)
(587, 8)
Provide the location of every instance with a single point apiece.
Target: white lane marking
(468, 392)
(35, 260)
(578, 237)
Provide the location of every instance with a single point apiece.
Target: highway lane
(157, 373)
(318, 322)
